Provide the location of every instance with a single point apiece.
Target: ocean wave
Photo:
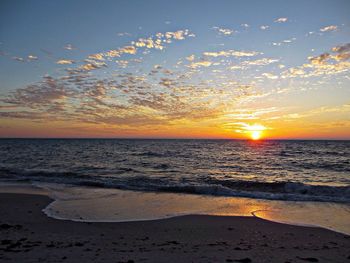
(149, 154)
(286, 190)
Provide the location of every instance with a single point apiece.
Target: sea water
(302, 182)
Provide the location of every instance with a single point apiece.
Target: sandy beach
(28, 235)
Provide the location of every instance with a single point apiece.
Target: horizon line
(174, 138)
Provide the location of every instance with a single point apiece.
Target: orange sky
(262, 72)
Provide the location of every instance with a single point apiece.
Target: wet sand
(28, 235)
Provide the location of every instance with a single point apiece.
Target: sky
(175, 69)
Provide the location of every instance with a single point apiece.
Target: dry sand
(28, 235)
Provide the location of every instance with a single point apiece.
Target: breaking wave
(284, 190)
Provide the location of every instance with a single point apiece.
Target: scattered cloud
(328, 63)
(196, 87)
(281, 20)
(32, 57)
(342, 52)
(69, 47)
(38, 95)
(249, 114)
(321, 59)
(246, 128)
(125, 99)
(265, 27)
(224, 31)
(199, 64)
(122, 34)
(190, 58)
(92, 66)
(155, 42)
(260, 62)
(233, 53)
(18, 59)
(122, 63)
(65, 61)
(269, 75)
(329, 28)
(29, 58)
(283, 42)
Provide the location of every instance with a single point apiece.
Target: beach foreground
(28, 235)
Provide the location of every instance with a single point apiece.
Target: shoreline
(28, 235)
(104, 205)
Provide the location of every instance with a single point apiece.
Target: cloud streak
(329, 28)
(281, 20)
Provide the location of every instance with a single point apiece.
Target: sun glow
(255, 135)
(255, 131)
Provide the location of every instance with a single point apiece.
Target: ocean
(199, 174)
(284, 170)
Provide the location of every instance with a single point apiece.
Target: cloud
(329, 28)
(151, 95)
(65, 61)
(122, 63)
(32, 57)
(122, 34)
(340, 53)
(18, 59)
(125, 99)
(286, 41)
(233, 53)
(345, 108)
(342, 48)
(29, 58)
(91, 65)
(260, 62)
(39, 95)
(265, 27)
(199, 64)
(190, 58)
(328, 63)
(249, 114)
(98, 56)
(155, 42)
(343, 52)
(224, 31)
(293, 72)
(114, 53)
(321, 59)
(269, 75)
(69, 47)
(289, 40)
(128, 50)
(178, 35)
(22, 115)
(246, 128)
(281, 20)
(149, 43)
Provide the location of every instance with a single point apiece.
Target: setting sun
(256, 135)
(253, 131)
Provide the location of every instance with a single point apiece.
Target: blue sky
(265, 66)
